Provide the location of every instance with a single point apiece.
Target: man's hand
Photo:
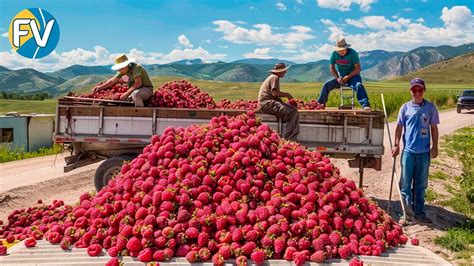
(96, 88)
(395, 151)
(340, 81)
(289, 96)
(434, 152)
(125, 95)
(345, 79)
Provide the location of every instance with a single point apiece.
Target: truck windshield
(468, 93)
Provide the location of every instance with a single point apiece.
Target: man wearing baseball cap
(270, 102)
(346, 60)
(418, 119)
(139, 83)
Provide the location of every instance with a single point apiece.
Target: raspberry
(258, 256)
(318, 256)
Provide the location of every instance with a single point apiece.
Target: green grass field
(395, 94)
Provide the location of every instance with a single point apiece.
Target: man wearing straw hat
(139, 83)
(270, 103)
(346, 60)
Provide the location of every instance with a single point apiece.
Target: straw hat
(122, 61)
(341, 44)
(280, 67)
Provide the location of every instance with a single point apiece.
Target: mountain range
(376, 65)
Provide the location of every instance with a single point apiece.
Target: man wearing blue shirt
(418, 119)
(346, 60)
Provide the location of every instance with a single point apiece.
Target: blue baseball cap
(417, 82)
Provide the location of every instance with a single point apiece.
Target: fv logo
(34, 33)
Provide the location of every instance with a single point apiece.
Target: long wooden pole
(394, 171)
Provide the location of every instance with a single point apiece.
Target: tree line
(39, 96)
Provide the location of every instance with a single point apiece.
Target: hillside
(457, 70)
(414, 60)
(369, 59)
(27, 80)
(257, 61)
(85, 81)
(78, 70)
(376, 65)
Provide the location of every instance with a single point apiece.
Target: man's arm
(434, 137)
(109, 83)
(137, 84)
(354, 72)
(335, 74)
(398, 136)
(280, 94)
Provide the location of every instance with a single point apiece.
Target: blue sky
(93, 32)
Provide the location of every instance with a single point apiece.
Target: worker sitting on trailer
(347, 73)
(139, 83)
(270, 103)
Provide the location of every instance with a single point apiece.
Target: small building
(28, 132)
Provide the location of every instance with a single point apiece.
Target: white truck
(102, 130)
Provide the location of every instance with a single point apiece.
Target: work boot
(423, 219)
(405, 220)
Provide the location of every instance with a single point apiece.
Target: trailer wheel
(108, 169)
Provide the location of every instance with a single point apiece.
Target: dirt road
(23, 182)
(377, 185)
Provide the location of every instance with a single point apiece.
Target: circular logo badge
(34, 33)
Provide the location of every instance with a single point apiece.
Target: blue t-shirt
(344, 64)
(416, 120)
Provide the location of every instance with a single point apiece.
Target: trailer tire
(108, 169)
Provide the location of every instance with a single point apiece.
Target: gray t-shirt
(270, 84)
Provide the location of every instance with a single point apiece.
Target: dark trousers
(288, 113)
(355, 83)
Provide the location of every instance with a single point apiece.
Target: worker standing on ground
(345, 68)
(419, 120)
(270, 103)
(139, 83)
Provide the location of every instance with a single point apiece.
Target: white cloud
(252, 8)
(458, 16)
(374, 22)
(408, 9)
(345, 5)
(208, 41)
(240, 22)
(188, 53)
(420, 20)
(223, 46)
(280, 6)
(5, 34)
(313, 53)
(101, 56)
(261, 53)
(301, 2)
(403, 34)
(335, 30)
(263, 35)
(183, 40)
